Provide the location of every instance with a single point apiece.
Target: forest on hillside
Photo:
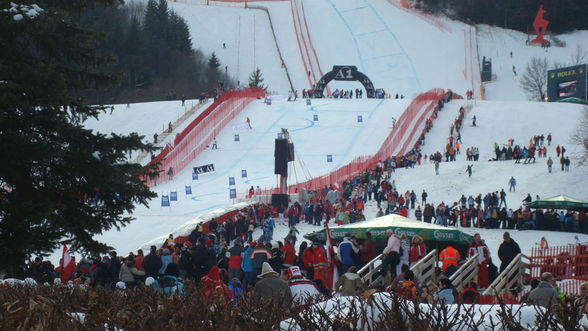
(563, 15)
(154, 57)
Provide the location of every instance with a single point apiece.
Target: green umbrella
(559, 202)
(433, 235)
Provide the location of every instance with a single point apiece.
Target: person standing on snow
(469, 170)
(549, 164)
(249, 123)
(502, 199)
(436, 167)
(512, 182)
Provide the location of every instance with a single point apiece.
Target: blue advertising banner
(173, 196)
(165, 201)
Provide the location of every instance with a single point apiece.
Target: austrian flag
(67, 266)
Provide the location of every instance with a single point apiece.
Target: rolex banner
(568, 84)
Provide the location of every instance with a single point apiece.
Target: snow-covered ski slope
(438, 54)
(402, 51)
(337, 132)
(397, 50)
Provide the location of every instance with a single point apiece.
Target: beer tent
(435, 236)
(559, 202)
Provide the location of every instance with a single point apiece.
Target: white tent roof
(392, 220)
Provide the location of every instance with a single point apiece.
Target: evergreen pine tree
(213, 62)
(256, 80)
(179, 34)
(59, 182)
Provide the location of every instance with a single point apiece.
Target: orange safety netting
(564, 262)
(201, 131)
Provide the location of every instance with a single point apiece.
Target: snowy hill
(400, 51)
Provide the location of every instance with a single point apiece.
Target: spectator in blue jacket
(247, 266)
(348, 250)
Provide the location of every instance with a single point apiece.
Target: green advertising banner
(431, 233)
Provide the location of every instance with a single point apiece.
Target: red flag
(333, 274)
(67, 266)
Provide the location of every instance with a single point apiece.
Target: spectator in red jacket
(306, 257)
(418, 250)
(320, 264)
(289, 253)
(367, 249)
(292, 213)
(235, 259)
(480, 248)
(214, 286)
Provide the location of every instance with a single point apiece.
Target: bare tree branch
(534, 80)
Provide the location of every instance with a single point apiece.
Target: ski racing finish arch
(345, 73)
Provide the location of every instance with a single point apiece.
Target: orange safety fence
(564, 262)
(201, 131)
(405, 135)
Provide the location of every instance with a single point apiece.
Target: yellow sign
(566, 73)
